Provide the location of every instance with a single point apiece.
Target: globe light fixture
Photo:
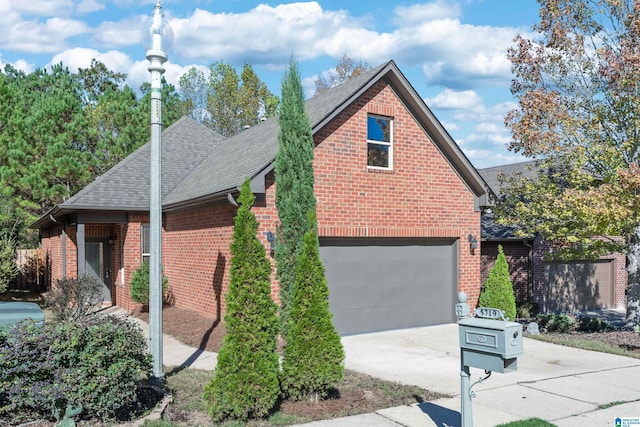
(157, 39)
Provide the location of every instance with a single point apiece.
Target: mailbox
(490, 344)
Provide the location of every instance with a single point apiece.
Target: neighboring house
(555, 285)
(394, 210)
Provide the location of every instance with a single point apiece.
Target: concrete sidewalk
(562, 385)
(175, 353)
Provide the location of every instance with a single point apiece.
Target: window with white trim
(379, 142)
(144, 242)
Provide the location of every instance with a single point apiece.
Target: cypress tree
(294, 183)
(245, 384)
(498, 290)
(313, 355)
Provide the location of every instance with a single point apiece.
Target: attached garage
(384, 283)
(579, 285)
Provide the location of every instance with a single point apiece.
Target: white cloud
(88, 6)
(119, 34)
(417, 13)
(36, 37)
(20, 64)
(269, 33)
(41, 7)
(450, 99)
(81, 58)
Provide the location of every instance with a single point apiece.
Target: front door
(98, 264)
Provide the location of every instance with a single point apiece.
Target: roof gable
(251, 152)
(198, 164)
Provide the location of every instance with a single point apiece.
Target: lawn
(356, 394)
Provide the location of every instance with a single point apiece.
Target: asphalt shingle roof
(198, 163)
(126, 185)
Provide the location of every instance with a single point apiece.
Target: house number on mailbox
(489, 313)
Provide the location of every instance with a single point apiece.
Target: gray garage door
(579, 285)
(381, 284)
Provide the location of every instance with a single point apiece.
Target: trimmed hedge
(97, 365)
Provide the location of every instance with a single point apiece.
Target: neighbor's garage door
(579, 285)
(381, 284)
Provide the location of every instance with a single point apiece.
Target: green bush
(498, 291)
(8, 266)
(313, 354)
(526, 309)
(96, 364)
(560, 323)
(593, 324)
(74, 299)
(140, 284)
(245, 384)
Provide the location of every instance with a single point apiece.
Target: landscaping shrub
(593, 324)
(561, 323)
(498, 290)
(140, 284)
(313, 353)
(96, 364)
(527, 309)
(75, 298)
(8, 266)
(245, 384)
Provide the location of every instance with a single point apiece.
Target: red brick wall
(196, 257)
(518, 255)
(421, 197)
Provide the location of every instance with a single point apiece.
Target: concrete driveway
(563, 385)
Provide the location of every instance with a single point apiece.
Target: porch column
(81, 249)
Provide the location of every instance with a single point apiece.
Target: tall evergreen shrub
(498, 290)
(313, 354)
(294, 183)
(245, 384)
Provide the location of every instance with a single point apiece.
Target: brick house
(555, 285)
(396, 202)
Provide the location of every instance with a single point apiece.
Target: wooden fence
(31, 269)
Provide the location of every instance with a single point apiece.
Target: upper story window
(144, 244)
(379, 142)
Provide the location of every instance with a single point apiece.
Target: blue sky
(453, 53)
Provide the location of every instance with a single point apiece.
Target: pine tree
(498, 290)
(313, 355)
(294, 183)
(246, 377)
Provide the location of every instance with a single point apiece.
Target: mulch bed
(189, 327)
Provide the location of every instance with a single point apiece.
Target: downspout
(63, 246)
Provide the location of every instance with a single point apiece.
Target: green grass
(616, 403)
(584, 344)
(187, 386)
(531, 422)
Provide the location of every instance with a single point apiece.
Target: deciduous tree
(346, 69)
(236, 100)
(577, 81)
